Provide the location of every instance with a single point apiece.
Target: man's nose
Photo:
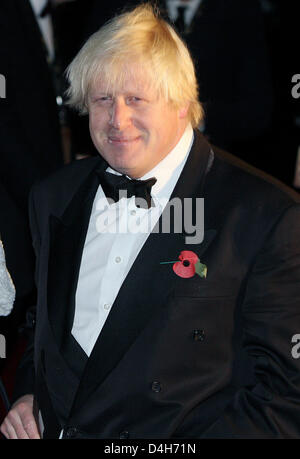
(120, 114)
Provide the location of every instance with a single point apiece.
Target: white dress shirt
(45, 25)
(115, 236)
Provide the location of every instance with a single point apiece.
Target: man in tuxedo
(145, 327)
(31, 146)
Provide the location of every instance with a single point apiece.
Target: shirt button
(118, 259)
(133, 213)
(156, 386)
(106, 306)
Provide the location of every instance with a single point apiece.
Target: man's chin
(124, 161)
(130, 168)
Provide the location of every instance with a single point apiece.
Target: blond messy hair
(142, 38)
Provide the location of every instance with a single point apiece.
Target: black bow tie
(118, 186)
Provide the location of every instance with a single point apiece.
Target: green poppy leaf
(201, 269)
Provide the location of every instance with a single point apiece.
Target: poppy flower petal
(184, 271)
(188, 255)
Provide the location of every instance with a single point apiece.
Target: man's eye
(104, 99)
(133, 99)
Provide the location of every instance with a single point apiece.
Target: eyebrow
(138, 93)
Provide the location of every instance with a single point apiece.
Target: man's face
(133, 130)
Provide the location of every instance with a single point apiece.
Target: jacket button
(123, 435)
(198, 335)
(71, 432)
(156, 386)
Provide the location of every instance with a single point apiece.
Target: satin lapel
(67, 236)
(148, 285)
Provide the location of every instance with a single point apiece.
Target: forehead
(130, 78)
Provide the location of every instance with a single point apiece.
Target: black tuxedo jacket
(176, 357)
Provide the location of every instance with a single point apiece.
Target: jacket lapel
(67, 236)
(134, 307)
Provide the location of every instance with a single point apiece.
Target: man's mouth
(122, 140)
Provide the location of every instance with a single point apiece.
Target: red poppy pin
(188, 265)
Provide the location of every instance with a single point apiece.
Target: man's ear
(183, 111)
